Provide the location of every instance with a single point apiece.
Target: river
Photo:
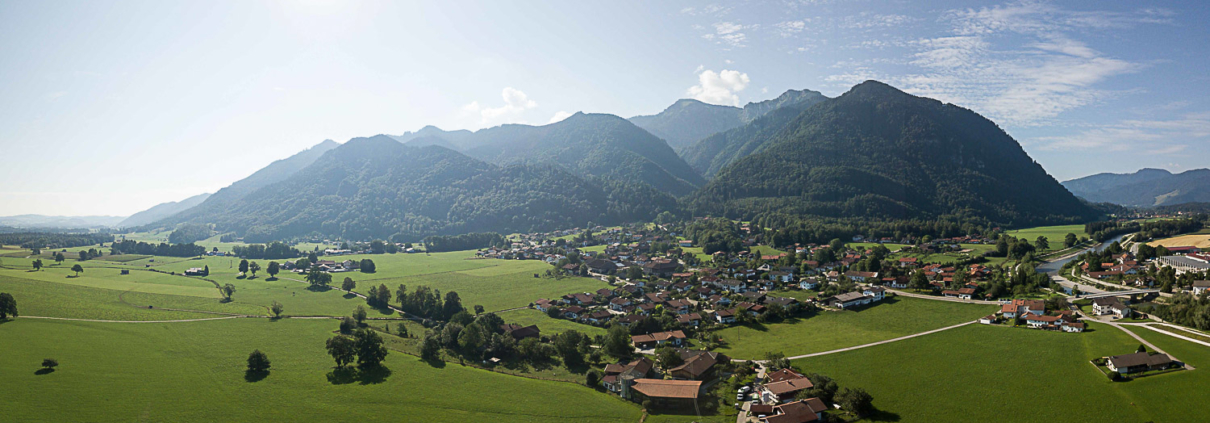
(1054, 266)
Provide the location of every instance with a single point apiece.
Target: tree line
(161, 249)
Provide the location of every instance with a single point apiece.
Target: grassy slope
(981, 373)
(1053, 234)
(546, 324)
(830, 330)
(194, 372)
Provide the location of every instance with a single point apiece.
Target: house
(630, 319)
(665, 393)
(803, 411)
(1138, 362)
(619, 303)
(543, 305)
(1010, 311)
(874, 292)
(848, 300)
(685, 243)
(1200, 286)
(861, 276)
(950, 293)
(783, 277)
(785, 302)
(615, 373)
(651, 340)
(755, 297)
(987, 320)
(966, 293)
(195, 271)
(696, 365)
(1075, 327)
(660, 268)
(125, 271)
(900, 282)
(691, 319)
(907, 262)
(601, 266)
(597, 317)
(725, 316)
(1041, 322)
(1030, 306)
(784, 374)
(573, 312)
(785, 390)
(809, 283)
(681, 306)
(1110, 305)
(519, 332)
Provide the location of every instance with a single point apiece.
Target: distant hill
(688, 121)
(593, 145)
(1145, 188)
(879, 152)
(711, 154)
(457, 140)
(59, 222)
(378, 187)
(161, 211)
(275, 172)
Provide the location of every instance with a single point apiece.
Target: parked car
(745, 389)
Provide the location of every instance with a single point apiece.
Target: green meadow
(195, 372)
(829, 330)
(986, 373)
(1053, 234)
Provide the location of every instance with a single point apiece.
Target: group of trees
(50, 240)
(1172, 227)
(189, 233)
(469, 241)
(428, 302)
(1185, 309)
(90, 254)
(1018, 248)
(162, 249)
(273, 250)
(365, 346)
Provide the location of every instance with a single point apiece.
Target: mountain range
(1144, 188)
(37, 221)
(873, 152)
(162, 210)
(687, 121)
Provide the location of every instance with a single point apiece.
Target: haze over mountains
(873, 152)
(1144, 188)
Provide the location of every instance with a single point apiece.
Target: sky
(108, 108)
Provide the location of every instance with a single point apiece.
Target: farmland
(829, 330)
(1053, 234)
(982, 373)
(1195, 240)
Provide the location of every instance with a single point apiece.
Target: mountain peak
(872, 87)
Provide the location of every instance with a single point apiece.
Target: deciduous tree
(258, 362)
(273, 269)
(343, 349)
(370, 351)
(77, 268)
(277, 308)
(8, 305)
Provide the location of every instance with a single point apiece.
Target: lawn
(194, 372)
(829, 330)
(38, 298)
(1053, 234)
(982, 373)
(548, 325)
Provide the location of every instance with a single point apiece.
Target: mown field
(1199, 241)
(982, 373)
(546, 324)
(829, 330)
(195, 372)
(1053, 234)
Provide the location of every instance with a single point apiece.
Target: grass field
(546, 324)
(1199, 241)
(1053, 234)
(829, 330)
(194, 372)
(982, 373)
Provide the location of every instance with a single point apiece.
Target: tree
(377, 247)
(478, 309)
(348, 284)
(1069, 240)
(228, 290)
(243, 266)
(617, 342)
(359, 314)
(824, 388)
(316, 277)
(59, 258)
(1142, 349)
(302, 263)
(452, 305)
(430, 349)
(311, 257)
(77, 268)
(367, 266)
(857, 401)
(568, 346)
(8, 305)
(258, 362)
(776, 361)
(347, 324)
(83, 255)
(38, 264)
(402, 330)
(668, 358)
(273, 269)
(49, 363)
(253, 267)
(918, 280)
(277, 308)
(1041, 244)
(343, 349)
(370, 351)
(593, 378)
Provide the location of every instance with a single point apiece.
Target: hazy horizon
(111, 108)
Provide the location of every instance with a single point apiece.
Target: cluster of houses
(329, 266)
(778, 403)
(640, 380)
(1123, 265)
(1035, 316)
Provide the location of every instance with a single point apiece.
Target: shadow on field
(44, 371)
(435, 363)
(349, 296)
(347, 375)
(319, 288)
(253, 377)
(883, 416)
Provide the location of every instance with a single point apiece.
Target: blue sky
(112, 107)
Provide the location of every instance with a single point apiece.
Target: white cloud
(1152, 137)
(559, 116)
(515, 102)
(729, 33)
(789, 28)
(720, 87)
(867, 20)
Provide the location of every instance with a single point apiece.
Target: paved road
(1150, 345)
(1067, 283)
(881, 342)
(934, 297)
(132, 321)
